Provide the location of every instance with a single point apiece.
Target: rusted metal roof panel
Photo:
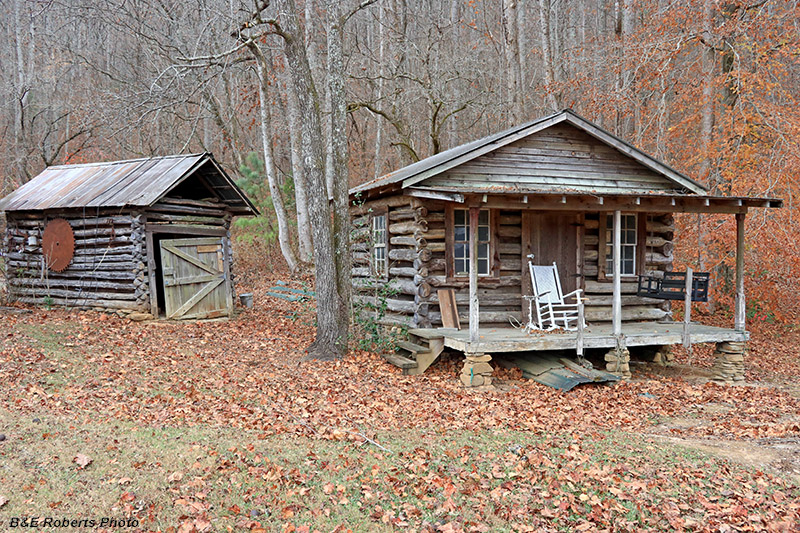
(132, 183)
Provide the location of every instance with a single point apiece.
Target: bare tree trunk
(451, 128)
(21, 93)
(338, 178)
(269, 163)
(707, 116)
(623, 27)
(308, 33)
(331, 340)
(707, 165)
(381, 75)
(513, 63)
(547, 55)
(300, 186)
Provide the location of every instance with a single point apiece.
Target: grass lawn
(223, 427)
(216, 479)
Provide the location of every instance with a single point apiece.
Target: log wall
(416, 252)
(658, 257)
(408, 258)
(111, 268)
(499, 294)
(108, 270)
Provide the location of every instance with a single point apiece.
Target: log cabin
(462, 224)
(144, 237)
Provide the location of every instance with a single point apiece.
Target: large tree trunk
(706, 120)
(269, 163)
(337, 142)
(707, 117)
(332, 329)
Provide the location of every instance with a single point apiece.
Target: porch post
(616, 304)
(474, 316)
(687, 310)
(739, 321)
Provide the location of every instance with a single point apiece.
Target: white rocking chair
(551, 311)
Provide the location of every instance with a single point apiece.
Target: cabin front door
(551, 237)
(195, 278)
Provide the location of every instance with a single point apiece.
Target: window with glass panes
(627, 245)
(461, 242)
(379, 260)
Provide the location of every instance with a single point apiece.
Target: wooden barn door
(195, 274)
(551, 237)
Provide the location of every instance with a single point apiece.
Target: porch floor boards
(506, 339)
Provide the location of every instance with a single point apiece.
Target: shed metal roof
(129, 183)
(415, 173)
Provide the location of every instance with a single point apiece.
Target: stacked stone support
(618, 362)
(729, 362)
(664, 356)
(477, 371)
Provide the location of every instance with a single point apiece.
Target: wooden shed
(150, 236)
(560, 188)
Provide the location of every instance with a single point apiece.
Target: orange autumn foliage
(752, 149)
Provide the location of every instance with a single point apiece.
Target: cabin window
(627, 244)
(461, 242)
(379, 257)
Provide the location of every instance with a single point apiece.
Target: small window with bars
(379, 257)
(627, 245)
(461, 242)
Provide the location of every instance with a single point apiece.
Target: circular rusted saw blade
(58, 244)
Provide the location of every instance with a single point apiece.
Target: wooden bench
(673, 286)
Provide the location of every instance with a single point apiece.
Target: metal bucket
(246, 299)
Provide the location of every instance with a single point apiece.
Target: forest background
(710, 87)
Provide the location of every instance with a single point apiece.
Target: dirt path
(777, 455)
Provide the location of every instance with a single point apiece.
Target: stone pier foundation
(729, 362)
(477, 371)
(618, 362)
(664, 356)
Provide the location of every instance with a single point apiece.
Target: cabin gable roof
(129, 183)
(560, 152)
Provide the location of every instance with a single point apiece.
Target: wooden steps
(416, 354)
(399, 361)
(412, 347)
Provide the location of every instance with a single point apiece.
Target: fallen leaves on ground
(250, 373)
(82, 460)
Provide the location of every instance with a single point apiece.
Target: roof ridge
(124, 161)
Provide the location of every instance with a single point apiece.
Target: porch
(499, 340)
(426, 344)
